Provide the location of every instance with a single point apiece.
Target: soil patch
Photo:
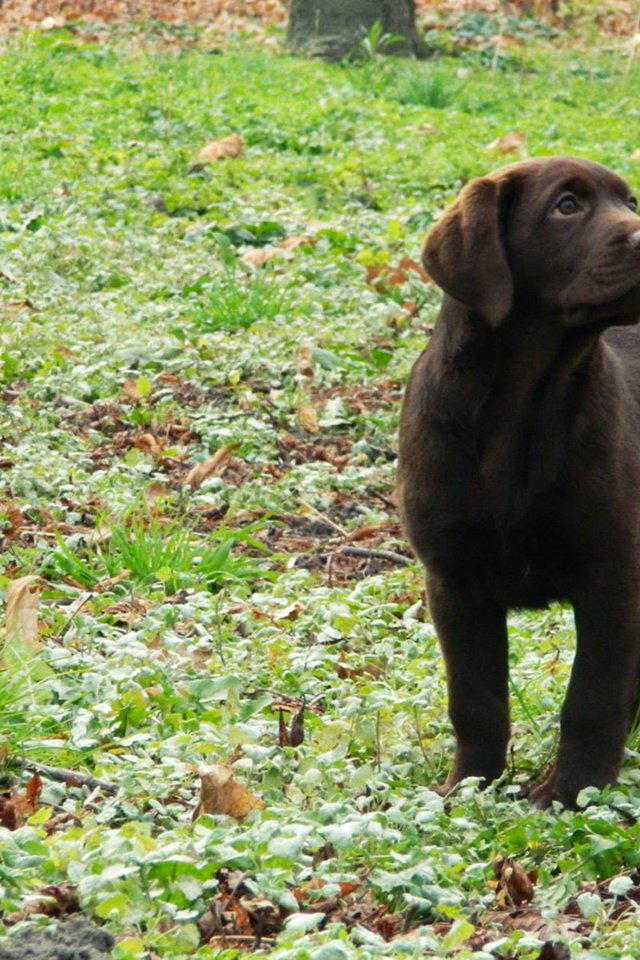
(75, 940)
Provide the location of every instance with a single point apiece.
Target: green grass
(137, 342)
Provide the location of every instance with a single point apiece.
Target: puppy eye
(567, 205)
(632, 203)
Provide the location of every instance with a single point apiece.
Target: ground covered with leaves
(222, 701)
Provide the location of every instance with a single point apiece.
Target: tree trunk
(335, 29)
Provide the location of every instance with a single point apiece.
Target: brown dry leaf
(384, 275)
(16, 809)
(110, 582)
(130, 389)
(510, 144)
(296, 733)
(55, 901)
(428, 130)
(231, 146)
(154, 492)
(22, 614)
(407, 265)
(258, 258)
(128, 611)
(148, 444)
(52, 23)
(355, 673)
(292, 612)
(292, 243)
(305, 361)
(366, 533)
(19, 304)
(293, 704)
(221, 794)
(283, 731)
(211, 467)
(375, 272)
(308, 417)
(34, 789)
(15, 520)
(516, 887)
(530, 920)
(65, 352)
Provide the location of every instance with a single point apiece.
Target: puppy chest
(526, 564)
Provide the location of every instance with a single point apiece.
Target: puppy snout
(634, 239)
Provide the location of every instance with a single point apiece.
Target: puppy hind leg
(473, 636)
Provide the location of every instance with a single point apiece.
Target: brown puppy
(520, 453)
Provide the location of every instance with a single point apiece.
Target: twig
(62, 775)
(388, 502)
(74, 613)
(377, 555)
(325, 518)
(231, 938)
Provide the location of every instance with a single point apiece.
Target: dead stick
(62, 775)
(378, 555)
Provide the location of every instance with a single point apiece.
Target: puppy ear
(464, 253)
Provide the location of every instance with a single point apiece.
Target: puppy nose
(634, 240)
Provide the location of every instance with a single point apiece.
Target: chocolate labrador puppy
(520, 453)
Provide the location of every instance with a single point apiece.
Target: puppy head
(554, 231)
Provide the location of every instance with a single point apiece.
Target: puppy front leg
(598, 706)
(473, 635)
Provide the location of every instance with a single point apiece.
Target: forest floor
(222, 703)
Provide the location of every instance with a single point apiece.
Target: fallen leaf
(283, 731)
(292, 243)
(136, 389)
(221, 794)
(515, 885)
(412, 266)
(296, 733)
(15, 809)
(428, 130)
(52, 23)
(385, 275)
(308, 416)
(148, 444)
(510, 143)
(260, 256)
(22, 617)
(154, 492)
(231, 146)
(110, 582)
(305, 361)
(55, 901)
(13, 515)
(355, 673)
(128, 611)
(365, 533)
(34, 788)
(211, 467)
(292, 612)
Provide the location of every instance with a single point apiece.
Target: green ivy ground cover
(182, 622)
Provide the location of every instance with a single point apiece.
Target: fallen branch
(377, 555)
(70, 777)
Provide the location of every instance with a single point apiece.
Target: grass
(183, 626)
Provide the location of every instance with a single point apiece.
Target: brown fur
(520, 453)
